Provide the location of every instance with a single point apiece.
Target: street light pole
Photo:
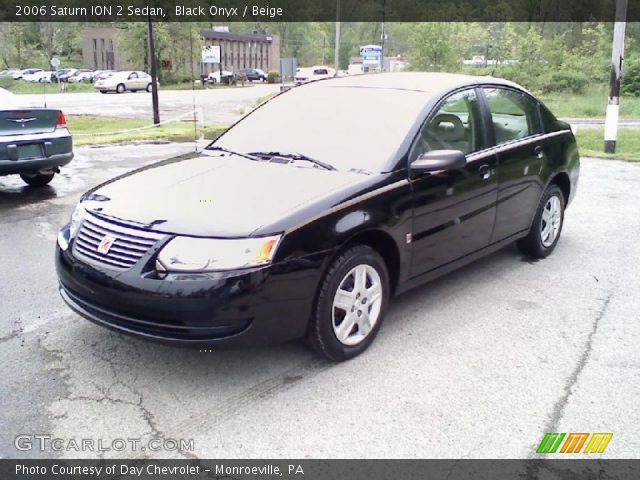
(154, 71)
(617, 56)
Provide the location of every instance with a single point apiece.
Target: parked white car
(82, 75)
(21, 74)
(318, 72)
(120, 82)
(219, 77)
(43, 76)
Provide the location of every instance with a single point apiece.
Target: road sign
(55, 62)
(371, 54)
(211, 54)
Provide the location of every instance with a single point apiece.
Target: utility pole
(154, 71)
(383, 36)
(336, 53)
(617, 57)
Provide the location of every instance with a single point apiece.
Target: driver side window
(454, 126)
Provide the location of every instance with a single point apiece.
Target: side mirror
(437, 160)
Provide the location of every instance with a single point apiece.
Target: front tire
(120, 88)
(547, 224)
(149, 88)
(37, 179)
(350, 305)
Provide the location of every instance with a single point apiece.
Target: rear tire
(120, 88)
(37, 179)
(350, 306)
(547, 224)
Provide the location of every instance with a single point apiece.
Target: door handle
(539, 152)
(484, 171)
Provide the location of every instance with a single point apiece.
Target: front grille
(129, 246)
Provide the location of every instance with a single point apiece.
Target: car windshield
(349, 128)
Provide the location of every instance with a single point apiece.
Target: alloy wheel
(357, 304)
(551, 220)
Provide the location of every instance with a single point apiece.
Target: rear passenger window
(514, 115)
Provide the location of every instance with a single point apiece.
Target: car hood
(214, 196)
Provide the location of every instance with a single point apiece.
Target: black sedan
(308, 215)
(34, 142)
(252, 74)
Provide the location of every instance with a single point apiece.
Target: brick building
(100, 49)
(244, 50)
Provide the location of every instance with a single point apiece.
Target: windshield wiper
(293, 156)
(217, 148)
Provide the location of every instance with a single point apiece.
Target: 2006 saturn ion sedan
(306, 216)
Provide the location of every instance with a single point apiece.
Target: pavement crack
(559, 407)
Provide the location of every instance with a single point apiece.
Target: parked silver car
(34, 142)
(120, 82)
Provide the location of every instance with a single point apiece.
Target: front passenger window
(454, 126)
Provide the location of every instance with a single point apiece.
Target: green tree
(436, 46)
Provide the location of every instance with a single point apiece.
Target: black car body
(430, 171)
(252, 74)
(34, 142)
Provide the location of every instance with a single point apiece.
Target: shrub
(631, 78)
(273, 77)
(564, 80)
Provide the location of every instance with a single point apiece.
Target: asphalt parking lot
(480, 363)
(220, 105)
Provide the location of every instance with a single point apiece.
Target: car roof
(428, 83)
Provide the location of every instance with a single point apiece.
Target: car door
(132, 81)
(520, 147)
(143, 80)
(453, 211)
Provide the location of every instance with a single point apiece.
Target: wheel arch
(564, 182)
(381, 242)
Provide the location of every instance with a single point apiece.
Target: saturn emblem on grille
(105, 244)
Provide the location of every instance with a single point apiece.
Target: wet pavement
(505, 348)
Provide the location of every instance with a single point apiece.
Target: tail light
(61, 122)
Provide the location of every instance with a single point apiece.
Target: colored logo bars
(573, 442)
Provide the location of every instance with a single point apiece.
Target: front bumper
(235, 309)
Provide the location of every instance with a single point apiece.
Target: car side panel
(520, 166)
(382, 208)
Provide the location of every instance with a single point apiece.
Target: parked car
(81, 75)
(319, 72)
(68, 73)
(102, 74)
(58, 74)
(223, 76)
(19, 74)
(9, 73)
(252, 74)
(419, 174)
(33, 75)
(120, 82)
(34, 142)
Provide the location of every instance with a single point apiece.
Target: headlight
(184, 254)
(76, 219)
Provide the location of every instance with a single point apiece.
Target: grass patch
(80, 125)
(21, 87)
(591, 144)
(590, 104)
